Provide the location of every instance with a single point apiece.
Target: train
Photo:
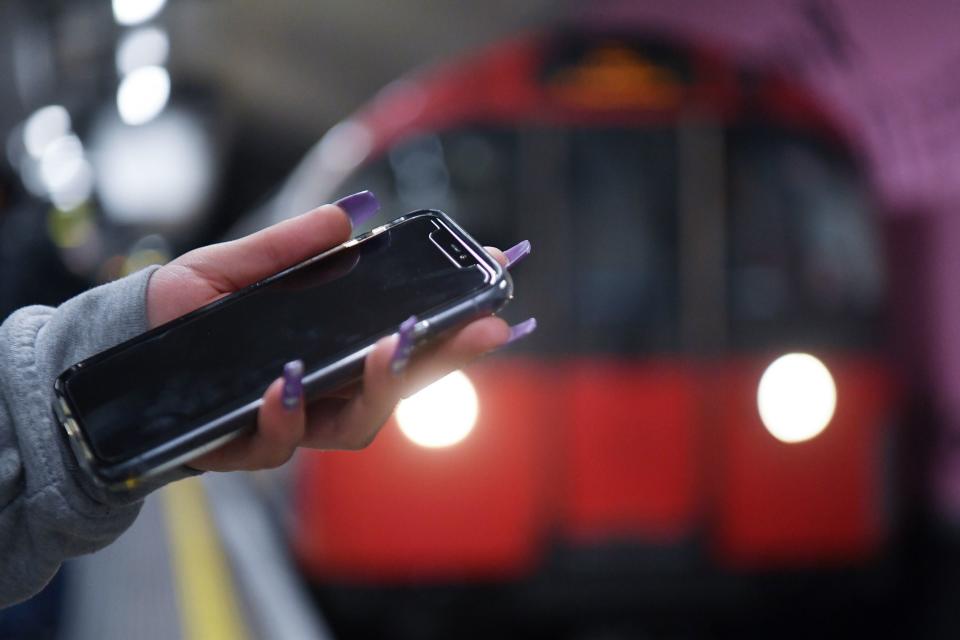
(707, 419)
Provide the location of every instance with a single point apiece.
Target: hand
(349, 420)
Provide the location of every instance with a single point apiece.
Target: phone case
(130, 473)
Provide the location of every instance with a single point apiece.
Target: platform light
(65, 172)
(71, 228)
(43, 127)
(143, 94)
(131, 12)
(442, 414)
(796, 397)
(143, 47)
(161, 173)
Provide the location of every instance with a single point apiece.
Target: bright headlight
(796, 397)
(440, 415)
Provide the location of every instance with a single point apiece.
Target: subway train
(709, 416)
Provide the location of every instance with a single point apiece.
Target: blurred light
(75, 235)
(143, 47)
(441, 415)
(151, 249)
(344, 146)
(43, 127)
(796, 397)
(142, 95)
(29, 168)
(131, 12)
(140, 259)
(65, 173)
(153, 242)
(158, 173)
(615, 76)
(69, 229)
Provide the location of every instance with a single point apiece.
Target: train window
(622, 185)
(802, 250)
(804, 256)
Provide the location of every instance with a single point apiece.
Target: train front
(706, 419)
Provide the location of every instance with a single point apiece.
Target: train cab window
(622, 188)
(804, 255)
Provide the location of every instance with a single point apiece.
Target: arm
(47, 513)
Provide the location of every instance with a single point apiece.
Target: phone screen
(220, 358)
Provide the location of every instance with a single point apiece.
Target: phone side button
(421, 329)
(73, 429)
(65, 408)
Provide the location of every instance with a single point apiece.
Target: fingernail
(292, 383)
(521, 330)
(359, 206)
(401, 354)
(517, 252)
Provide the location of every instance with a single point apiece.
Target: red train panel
(816, 501)
(631, 454)
(399, 511)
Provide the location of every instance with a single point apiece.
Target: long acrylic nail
(401, 354)
(521, 330)
(517, 252)
(359, 206)
(292, 384)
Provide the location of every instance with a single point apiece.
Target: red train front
(708, 405)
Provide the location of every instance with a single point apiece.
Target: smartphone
(154, 402)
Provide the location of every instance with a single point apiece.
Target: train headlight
(440, 415)
(796, 397)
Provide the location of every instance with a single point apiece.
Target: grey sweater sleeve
(47, 511)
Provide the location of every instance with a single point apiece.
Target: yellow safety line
(209, 608)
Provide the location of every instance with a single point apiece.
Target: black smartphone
(183, 388)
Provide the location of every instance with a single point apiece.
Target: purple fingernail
(521, 330)
(292, 383)
(517, 252)
(404, 345)
(360, 206)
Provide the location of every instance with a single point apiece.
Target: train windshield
(694, 239)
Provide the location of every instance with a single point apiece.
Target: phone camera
(446, 242)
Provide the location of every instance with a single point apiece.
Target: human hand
(347, 420)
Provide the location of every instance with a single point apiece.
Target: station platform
(204, 561)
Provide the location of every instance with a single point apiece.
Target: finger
(280, 428)
(238, 263)
(453, 352)
(345, 392)
(497, 255)
(358, 420)
(516, 253)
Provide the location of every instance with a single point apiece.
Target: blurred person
(51, 512)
